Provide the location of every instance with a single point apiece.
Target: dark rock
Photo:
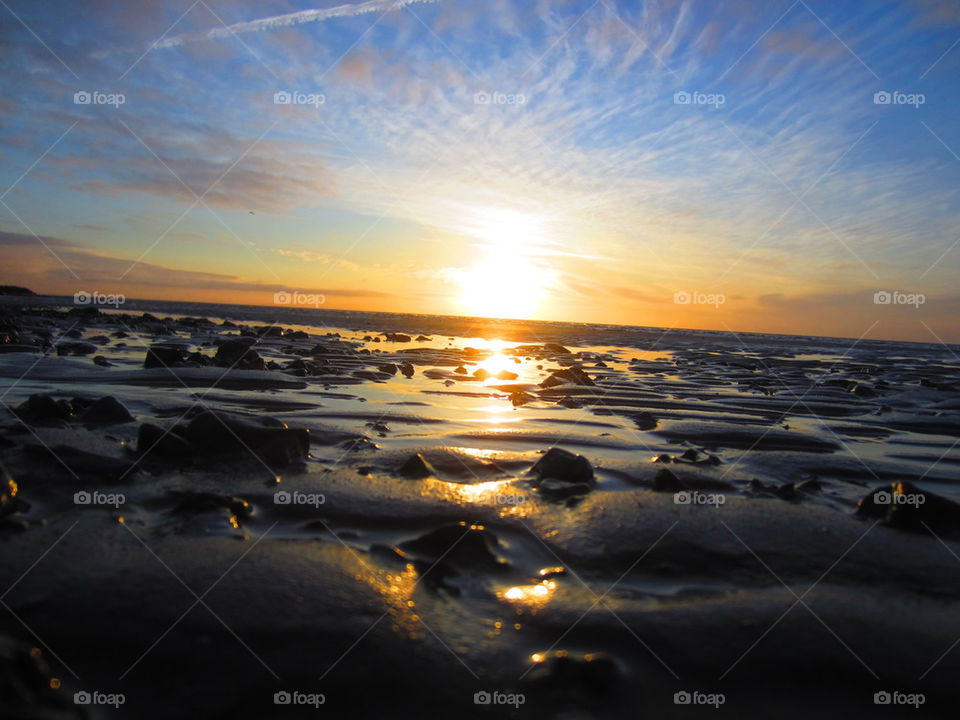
(397, 337)
(106, 411)
(274, 331)
(555, 349)
(645, 421)
(160, 355)
(519, 397)
(76, 348)
(388, 368)
(593, 675)
(666, 481)
(102, 361)
(406, 369)
(572, 375)
(43, 410)
(422, 338)
(238, 354)
(416, 467)
(154, 440)
(359, 443)
(904, 506)
(218, 432)
(562, 465)
(460, 544)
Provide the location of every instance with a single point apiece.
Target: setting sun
(508, 282)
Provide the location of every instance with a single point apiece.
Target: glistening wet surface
(386, 510)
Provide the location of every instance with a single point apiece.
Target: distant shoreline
(504, 328)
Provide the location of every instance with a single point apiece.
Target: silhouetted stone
(666, 481)
(43, 410)
(223, 433)
(238, 354)
(76, 348)
(904, 506)
(106, 411)
(645, 421)
(562, 465)
(566, 376)
(158, 442)
(160, 355)
(416, 467)
(592, 675)
(460, 544)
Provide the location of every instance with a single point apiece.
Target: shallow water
(742, 419)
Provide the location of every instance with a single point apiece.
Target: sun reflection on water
(531, 595)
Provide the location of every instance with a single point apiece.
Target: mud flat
(393, 514)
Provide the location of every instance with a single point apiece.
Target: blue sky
(582, 190)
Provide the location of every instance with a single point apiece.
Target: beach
(228, 511)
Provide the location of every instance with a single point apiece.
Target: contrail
(295, 18)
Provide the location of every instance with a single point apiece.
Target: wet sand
(349, 511)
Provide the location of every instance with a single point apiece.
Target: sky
(784, 166)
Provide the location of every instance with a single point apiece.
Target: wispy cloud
(300, 17)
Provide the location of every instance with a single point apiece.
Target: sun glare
(507, 282)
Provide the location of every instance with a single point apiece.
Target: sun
(510, 287)
(507, 282)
